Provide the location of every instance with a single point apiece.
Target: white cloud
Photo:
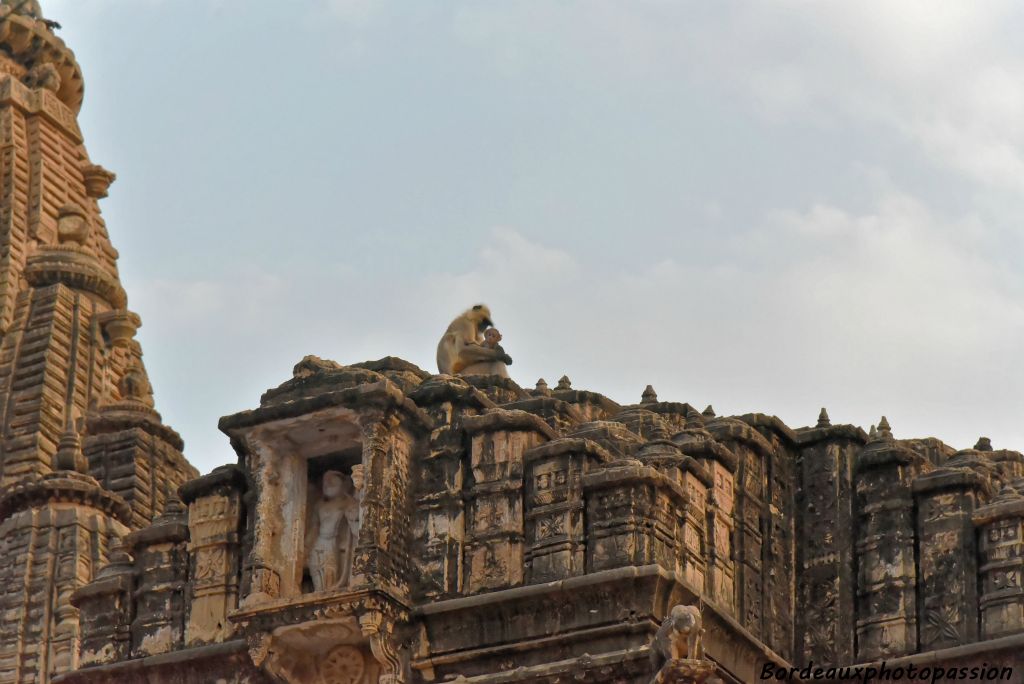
(945, 76)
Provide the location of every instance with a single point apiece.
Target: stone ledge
(568, 445)
(125, 670)
(499, 419)
(382, 393)
(231, 476)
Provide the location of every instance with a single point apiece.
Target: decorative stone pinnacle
(984, 444)
(709, 412)
(119, 561)
(872, 433)
(649, 396)
(564, 383)
(541, 386)
(884, 431)
(823, 419)
(69, 454)
(173, 507)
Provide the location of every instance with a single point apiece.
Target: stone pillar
(439, 526)
(632, 516)
(947, 595)
(825, 567)
(698, 483)
(160, 563)
(105, 611)
(887, 573)
(214, 521)
(1000, 527)
(721, 464)
(691, 532)
(555, 546)
(495, 526)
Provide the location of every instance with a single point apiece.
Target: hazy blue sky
(765, 206)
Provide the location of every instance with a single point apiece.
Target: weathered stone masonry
(483, 531)
(537, 535)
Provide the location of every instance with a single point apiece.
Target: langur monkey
(461, 345)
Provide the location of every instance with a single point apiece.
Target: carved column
(947, 609)
(698, 483)
(160, 563)
(632, 511)
(105, 611)
(721, 464)
(1000, 527)
(439, 527)
(691, 534)
(214, 518)
(554, 507)
(825, 577)
(887, 572)
(495, 528)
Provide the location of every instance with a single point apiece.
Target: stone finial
(984, 444)
(72, 225)
(872, 433)
(823, 419)
(649, 396)
(564, 383)
(118, 560)
(174, 508)
(709, 412)
(884, 431)
(97, 180)
(694, 420)
(69, 454)
(541, 388)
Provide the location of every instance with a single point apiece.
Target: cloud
(889, 311)
(947, 79)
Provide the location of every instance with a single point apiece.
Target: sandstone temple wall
(510, 534)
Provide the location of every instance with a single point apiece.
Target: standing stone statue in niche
(332, 529)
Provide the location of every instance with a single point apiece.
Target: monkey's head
(685, 617)
(481, 316)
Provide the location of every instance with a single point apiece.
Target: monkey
(461, 345)
(680, 636)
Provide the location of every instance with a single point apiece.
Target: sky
(763, 206)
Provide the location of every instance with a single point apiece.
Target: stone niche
(307, 509)
(325, 552)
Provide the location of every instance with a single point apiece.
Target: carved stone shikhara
(80, 467)
(383, 524)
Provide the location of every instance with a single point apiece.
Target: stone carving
(134, 386)
(343, 665)
(679, 637)
(43, 76)
(72, 225)
(332, 530)
(461, 349)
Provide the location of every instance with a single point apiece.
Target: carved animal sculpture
(461, 345)
(680, 636)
